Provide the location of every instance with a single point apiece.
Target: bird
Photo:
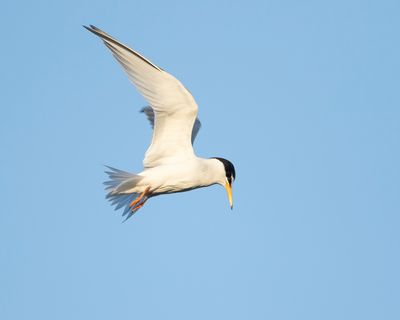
(170, 164)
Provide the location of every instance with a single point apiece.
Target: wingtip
(144, 109)
(93, 29)
(110, 42)
(89, 29)
(91, 26)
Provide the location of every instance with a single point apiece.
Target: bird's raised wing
(174, 107)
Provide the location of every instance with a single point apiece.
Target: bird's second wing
(174, 107)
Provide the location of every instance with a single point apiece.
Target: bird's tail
(117, 187)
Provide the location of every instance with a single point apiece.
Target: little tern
(170, 164)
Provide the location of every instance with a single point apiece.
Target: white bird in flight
(170, 164)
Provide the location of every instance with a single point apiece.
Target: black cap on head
(229, 169)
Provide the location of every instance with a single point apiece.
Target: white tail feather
(118, 185)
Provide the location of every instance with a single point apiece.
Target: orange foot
(135, 204)
(139, 205)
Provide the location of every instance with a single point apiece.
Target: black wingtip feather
(108, 40)
(93, 30)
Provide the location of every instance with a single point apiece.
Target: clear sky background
(302, 96)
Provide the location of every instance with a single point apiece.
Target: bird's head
(228, 175)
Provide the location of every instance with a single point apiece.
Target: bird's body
(170, 163)
(178, 177)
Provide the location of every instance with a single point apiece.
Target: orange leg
(138, 206)
(136, 201)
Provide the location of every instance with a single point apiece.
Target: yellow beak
(228, 188)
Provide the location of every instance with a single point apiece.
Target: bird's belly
(176, 186)
(175, 178)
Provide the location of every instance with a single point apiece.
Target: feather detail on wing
(174, 107)
(148, 111)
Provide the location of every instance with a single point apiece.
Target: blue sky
(302, 96)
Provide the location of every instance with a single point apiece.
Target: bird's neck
(211, 171)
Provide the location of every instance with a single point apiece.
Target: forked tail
(117, 187)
